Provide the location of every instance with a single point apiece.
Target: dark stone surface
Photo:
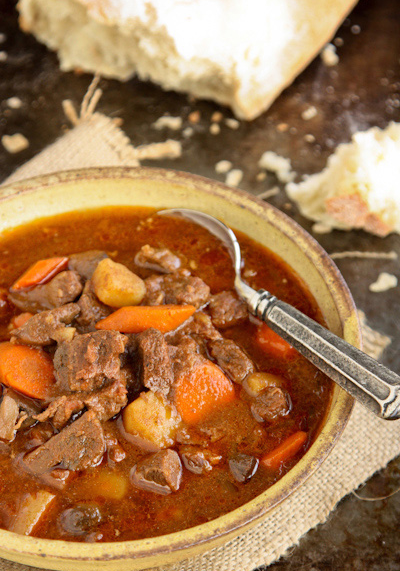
(361, 91)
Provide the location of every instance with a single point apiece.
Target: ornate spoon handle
(369, 382)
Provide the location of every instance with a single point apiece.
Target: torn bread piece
(359, 188)
(223, 50)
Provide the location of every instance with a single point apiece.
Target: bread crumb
(215, 129)
(193, 265)
(169, 149)
(222, 167)
(3, 38)
(217, 117)
(14, 102)
(309, 138)
(234, 177)
(268, 193)
(281, 166)
(309, 113)
(329, 55)
(3, 56)
(384, 282)
(168, 122)
(374, 343)
(321, 228)
(261, 176)
(194, 117)
(282, 127)
(338, 42)
(232, 123)
(15, 143)
(355, 29)
(187, 132)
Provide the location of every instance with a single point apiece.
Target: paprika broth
(139, 397)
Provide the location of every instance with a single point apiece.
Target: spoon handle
(369, 382)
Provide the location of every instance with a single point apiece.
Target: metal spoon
(375, 386)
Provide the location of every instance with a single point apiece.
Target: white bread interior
(240, 53)
(359, 188)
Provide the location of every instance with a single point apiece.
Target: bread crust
(249, 81)
(353, 210)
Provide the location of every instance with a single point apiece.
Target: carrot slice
(284, 451)
(20, 320)
(201, 392)
(272, 343)
(27, 370)
(134, 319)
(41, 272)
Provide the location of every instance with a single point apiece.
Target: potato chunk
(152, 419)
(32, 508)
(255, 383)
(105, 483)
(117, 286)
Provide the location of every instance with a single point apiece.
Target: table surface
(361, 91)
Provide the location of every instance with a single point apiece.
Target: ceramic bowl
(84, 189)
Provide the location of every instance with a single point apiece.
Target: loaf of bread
(359, 188)
(240, 53)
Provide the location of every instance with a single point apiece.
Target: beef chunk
(198, 327)
(86, 262)
(42, 328)
(160, 473)
(231, 358)
(108, 401)
(198, 460)
(155, 294)
(226, 309)
(271, 404)
(61, 410)
(105, 403)
(77, 447)
(158, 259)
(92, 310)
(156, 364)
(63, 288)
(39, 434)
(84, 363)
(243, 467)
(185, 356)
(177, 288)
(9, 413)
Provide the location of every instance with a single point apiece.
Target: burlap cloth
(366, 445)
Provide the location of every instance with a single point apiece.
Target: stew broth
(101, 503)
